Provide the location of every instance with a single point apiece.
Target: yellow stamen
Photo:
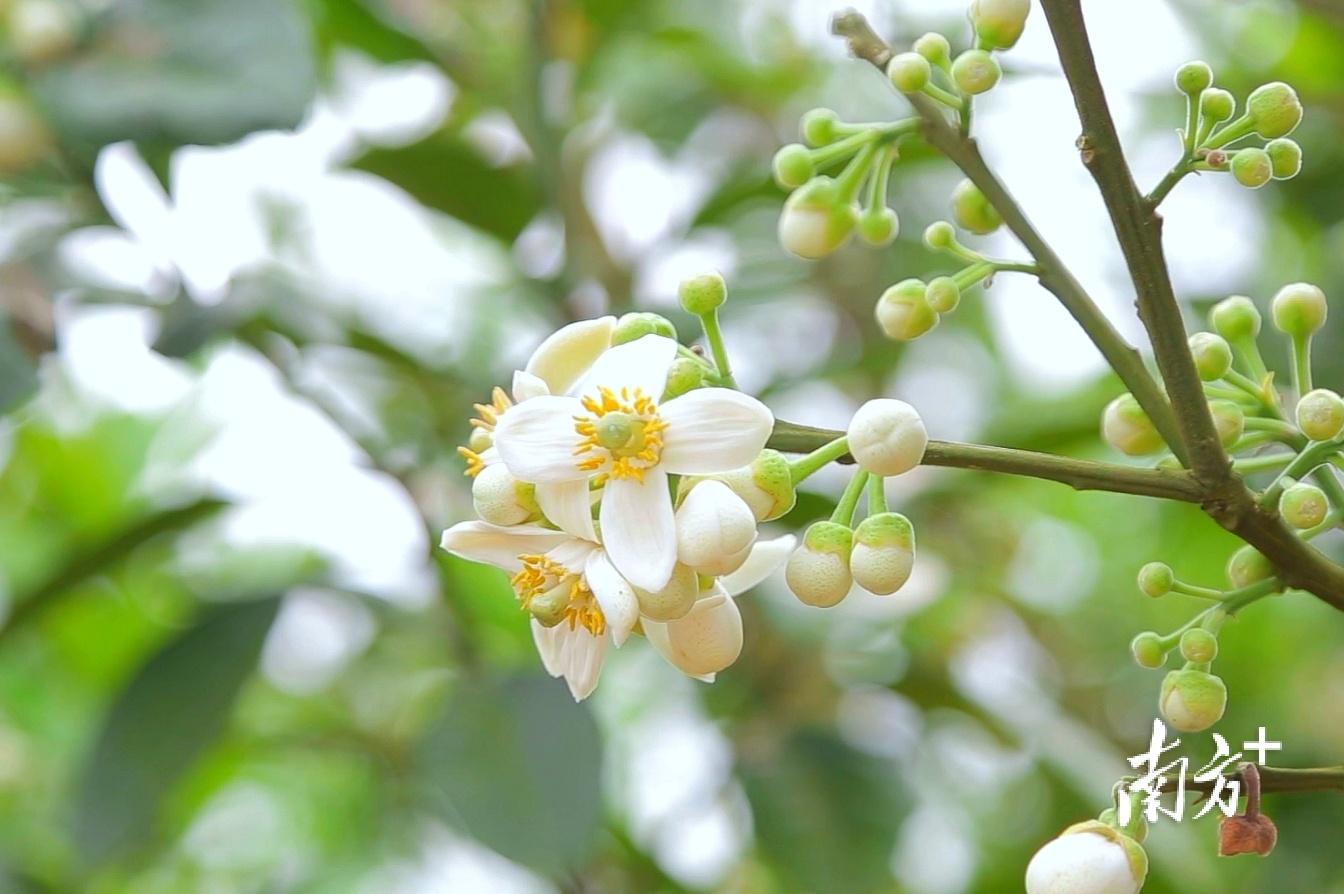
(640, 425)
(488, 414)
(475, 465)
(541, 574)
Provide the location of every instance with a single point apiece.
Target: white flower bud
(1303, 505)
(909, 72)
(1089, 858)
(1320, 414)
(705, 641)
(887, 437)
(815, 220)
(883, 553)
(1128, 429)
(903, 311)
(42, 30)
(1192, 700)
(502, 499)
(766, 486)
(715, 528)
(1298, 309)
(999, 23)
(672, 601)
(818, 570)
(975, 72)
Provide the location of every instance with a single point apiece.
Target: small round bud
(943, 294)
(887, 437)
(818, 127)
(1303, 505)
(1193, 78)
(909, 72)
(1199, 646)
(999, 23)
(766, 485)
(703, 294)
(883, 553)
(793, 166)
(1235, 318)
(1252, 168)
(1298, 309)
(818, 571)
(672, 601)
(939, 235)
(975, 72)
(684, 375)
(1320, 414)
(1156, 579)
(1147, 650)
(501, 499)
(1213, 355)
(637, 324)
(1128, 429)
(1229, 420)
(1248, 566)
(1192, 700)
(706, 640)
(815, 220)
(715, 529)
(903, 313)
(24, 136)
(1274, 110)
(972, 211)
(1286, 158)
(934, 47)
(1217, 159)
(42, 30)
(1088, 858)
(878, 226)
(1217, 105)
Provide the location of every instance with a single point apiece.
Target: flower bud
(1243, 834)
(883, 554)
(1088, 858)
(24, 136)
(703, 294)
(1303, 505)
(909, 72)
(818, 570)
(1193, 78)
(1128, 429)
(1110, 817)
(1252, 168)
(634, 326)
(793, 166)
(973, 211)
(878, 226)
(706, 640)
(1274, 110)
(1235, 318)
(1156, 579)
(815, 220)
(42, 30)
(1298, 309)
(1199, 646)
(1217, 105)
(685, 374)
(903, 313)
(1229, 420)
(887, 437)
(999, 23)
(975, 72)
(715, 527)
(1147, 650)
(502, 499)
(818, 127)
(766, 486)
(1213, 355)
(939, 235)
(1192, 700)
(942, 294)
(1248, 566)
(934, 47)
(1286, 157)
(672, 601)
(1320, 414)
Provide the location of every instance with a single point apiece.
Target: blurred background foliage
(258, 258)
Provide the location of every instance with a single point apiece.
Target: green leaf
(517, 764)
(172, 710)
(18, 378)
(355, 23)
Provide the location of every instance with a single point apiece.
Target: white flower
(1088, 859)
(887, 437)
(715, 529)
(619, 431)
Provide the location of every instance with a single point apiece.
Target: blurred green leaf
(18, 378)
(356, 24)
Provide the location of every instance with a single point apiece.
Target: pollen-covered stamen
(621, 433)
(554, 594)
(488, 414)
(475, 465)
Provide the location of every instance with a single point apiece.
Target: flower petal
(642, 364)
(549, 643)
(766, 557)
(527, 386)
(706, 640)
(713, 430)
(569, 351)
(614, 594)
(656, 633)
(569, 505)
(536, 439)
(501, 547)
(583, 655)
(638, 529)
(135, 199)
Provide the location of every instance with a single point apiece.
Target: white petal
(536, 439)
(135, 199)
(713, 430)
(638, 530)
(766, 557)
(482, 542)
(569, 352)
(614, 594)
(572, 554)
(569, 505)
(527, 386)
(641, 364)
(583, 656)
(713, 524)
(549, 642)
(706, 641)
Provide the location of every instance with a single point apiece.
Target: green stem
(849, 181)
(824, 155)
(714, 336)
(951, 100)
(877, 186)
(1168, 183)
(1263, 463)
(1242, 127)
(1248, 352)
(1305, 462)
(1198, 592)
(1191, 126)
(877, 495)
(1277, 427)
(801, 468)
(967, 113)
(1302, 364)
(849, 500)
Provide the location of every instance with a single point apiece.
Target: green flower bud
(909, 72)
(999, 23)
(1252, 168)
(1228, 419)
(1213, 355)
(24, 136)
(1274, 110)
(766, 486)
(1285, 156)
(973, 211)
(818, 570)
(943, 294)
(1193, 78)
(903, 313)
(1320, 414)
(1298, 309)
(793, 166)
(818, 127)
(1248, 566)
(1147, 650)
(637, 324)
(1303, 505)
(703, 294)
(934, 47)
(878, 226)
(1192, 700)
(1128, 429)
(1217, 105)
(939, 235)
(1199, 646)
(816, 220)
(1235, 318)
(672, 601)
(975, 72)
(684, 375)
(883, 553)
(1156, 579)
(501, 499)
